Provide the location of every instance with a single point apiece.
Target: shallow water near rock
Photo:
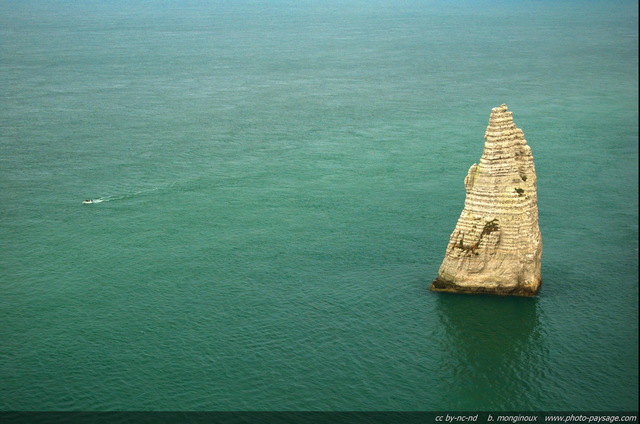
(274, 186)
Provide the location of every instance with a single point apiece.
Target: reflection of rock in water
(494, 350)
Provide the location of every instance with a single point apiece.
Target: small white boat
(87, 202)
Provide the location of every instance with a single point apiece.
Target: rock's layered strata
(496, 246)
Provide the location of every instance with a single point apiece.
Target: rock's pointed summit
(496, 247)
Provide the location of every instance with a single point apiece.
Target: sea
(274, 184)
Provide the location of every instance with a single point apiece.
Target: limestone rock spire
(496, 246)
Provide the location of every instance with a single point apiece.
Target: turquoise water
(275, 185)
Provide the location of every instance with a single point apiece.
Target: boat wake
(112, 198)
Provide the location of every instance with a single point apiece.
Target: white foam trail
(124, 196)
